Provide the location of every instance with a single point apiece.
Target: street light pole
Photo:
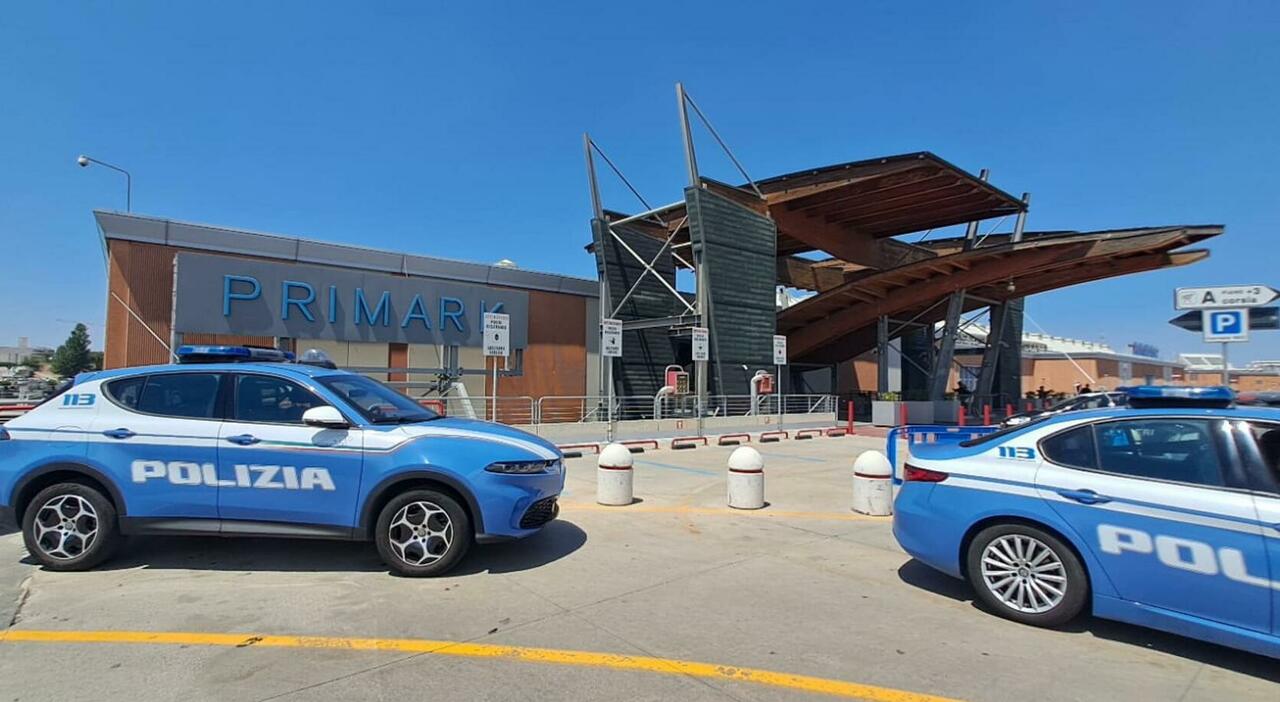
(84, 162)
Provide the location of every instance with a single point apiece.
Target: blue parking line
(682, 469)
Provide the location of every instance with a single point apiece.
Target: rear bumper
(923, 533)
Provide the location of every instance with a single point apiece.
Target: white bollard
(746, 478)
(614, 476)
(872, 484)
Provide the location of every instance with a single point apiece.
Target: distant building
(19, 353)
(1206, 369)
(1060, 364)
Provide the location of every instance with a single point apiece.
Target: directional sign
(1226, 325)
(1260, 319)
(1223, 297)
(701, 344)
(497, 334)
(779, 350)
(611, 338)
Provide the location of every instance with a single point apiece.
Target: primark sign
(226, 295)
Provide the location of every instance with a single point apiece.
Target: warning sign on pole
(701, 344)
(779, 350)
(611, 338)
(497, 334)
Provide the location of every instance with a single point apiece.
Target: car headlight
(522, 467)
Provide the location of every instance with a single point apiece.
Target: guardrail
(928, 434)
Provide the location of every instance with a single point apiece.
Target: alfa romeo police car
(235, 441)
(1165, 514)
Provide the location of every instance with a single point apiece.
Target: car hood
(456, 427)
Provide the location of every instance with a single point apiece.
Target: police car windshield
(378, 403)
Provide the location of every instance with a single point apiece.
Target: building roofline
(122, 226)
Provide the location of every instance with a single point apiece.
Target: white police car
(1165, 514)
(235, 441)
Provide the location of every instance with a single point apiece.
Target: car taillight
(914, 474)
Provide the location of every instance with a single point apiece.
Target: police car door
(1159, 500)
(274, 468)
(1260, 446)
(157, 436)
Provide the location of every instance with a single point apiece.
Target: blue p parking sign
(1226, 325)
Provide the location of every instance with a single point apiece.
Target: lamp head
(83, 161)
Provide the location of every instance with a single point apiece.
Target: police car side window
(1074, 448)
(1267, 437)
(188, 395)
(125, 391)
(1181, 450)
(261, 398)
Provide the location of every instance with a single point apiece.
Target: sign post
(1226, 326)
(1224, 297)
(1226, 313)
(779, 360)
(497, 343)
(610, 348)
(701, 338)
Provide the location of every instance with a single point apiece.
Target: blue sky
(454, 129)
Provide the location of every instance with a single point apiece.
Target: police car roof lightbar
(1141, 396)
(231, 354)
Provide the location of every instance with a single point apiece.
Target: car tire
(1027, 575)
(70, 526)
(422, 533)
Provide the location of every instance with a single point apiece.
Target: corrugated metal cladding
(645, 353)
(1008, 380)
(739, 249)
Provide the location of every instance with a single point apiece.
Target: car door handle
(1088, 497)
(243, 439)
(120, 433)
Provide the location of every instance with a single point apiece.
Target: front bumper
(516, 506)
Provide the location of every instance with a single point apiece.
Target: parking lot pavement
(793, 601)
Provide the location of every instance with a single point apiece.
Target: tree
(73, 356)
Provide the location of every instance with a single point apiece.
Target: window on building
(1181, 450)
(191, 395)
(262, 398)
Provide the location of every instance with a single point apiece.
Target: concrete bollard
(746, 478)
(872, 484)
(614, 484)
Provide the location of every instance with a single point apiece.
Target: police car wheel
(422, 533)
(70, 526)
(1027, 575)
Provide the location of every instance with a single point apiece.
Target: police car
(1165, 514)
(237, 441)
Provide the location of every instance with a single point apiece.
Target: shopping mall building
(396, 316)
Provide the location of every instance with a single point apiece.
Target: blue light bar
(1168, 396)
(231, 354)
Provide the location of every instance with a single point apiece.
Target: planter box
(888, 413)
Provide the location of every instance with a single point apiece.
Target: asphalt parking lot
(673, 597)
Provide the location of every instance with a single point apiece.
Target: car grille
(539, 513)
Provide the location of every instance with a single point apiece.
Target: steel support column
(882, 354)
(701, 291)
(941, 372)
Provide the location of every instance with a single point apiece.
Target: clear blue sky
(454, 129)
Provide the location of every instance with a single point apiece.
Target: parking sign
(1221, 326)
(497, 334)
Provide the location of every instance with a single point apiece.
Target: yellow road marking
(722, 512)
(589, 659)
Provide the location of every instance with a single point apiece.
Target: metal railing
(562, 409)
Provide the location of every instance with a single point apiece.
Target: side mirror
(326, 417)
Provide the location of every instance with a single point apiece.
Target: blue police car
(236, 441)
(1165, 514)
